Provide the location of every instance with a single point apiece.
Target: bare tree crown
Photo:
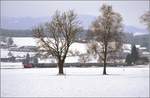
(56, 36)
(106, 31)
(146, 19)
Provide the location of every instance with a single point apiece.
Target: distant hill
(29, 33)
(24, 23)
(15, 33)
(135, 30)
(29, 23)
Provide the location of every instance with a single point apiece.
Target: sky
(130, 10)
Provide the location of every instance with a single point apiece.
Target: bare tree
(55, 37)
(106, 31)
(146, 19)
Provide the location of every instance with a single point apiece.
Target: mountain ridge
(27, 23)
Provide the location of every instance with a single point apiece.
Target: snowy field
(78, 82)
(26, 41)
(10, 65)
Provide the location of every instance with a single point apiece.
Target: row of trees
(56, 36)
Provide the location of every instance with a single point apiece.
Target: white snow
(146, 53)
(142, 48)
(11, 65)
(139, 33)
(126, 46)
(81, 47)
(47, 60)
(78, 82)
(29, 41)
(72, 59)
(22, 54)
(4, 53)
(24, 41)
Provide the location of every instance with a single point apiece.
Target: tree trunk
(60, 66)
(105, 60)
(104, 70)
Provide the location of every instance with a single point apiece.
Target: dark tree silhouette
(134, 54)
(128, 59)
(27, 60)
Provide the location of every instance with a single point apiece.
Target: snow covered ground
(4, 53)
(11, 65)
(24, 41)
(78, 82)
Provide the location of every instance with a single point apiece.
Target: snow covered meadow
(78, 82)
(76, 48)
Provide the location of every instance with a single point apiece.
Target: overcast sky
(130, 10)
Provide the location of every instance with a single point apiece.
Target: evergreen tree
(27, 58)
(134, 54)
(10, 54)
(128, 59)
(35, 60)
